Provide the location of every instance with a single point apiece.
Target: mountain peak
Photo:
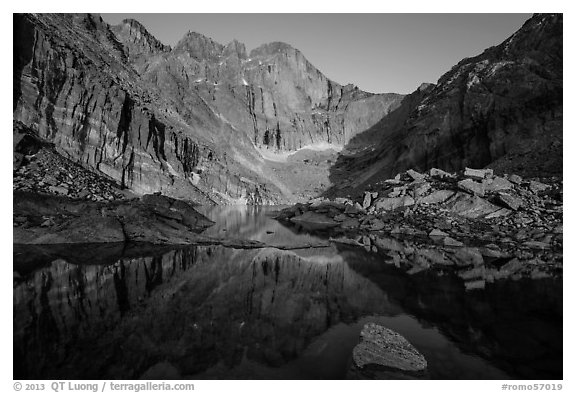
(136, 39)
(199, 46)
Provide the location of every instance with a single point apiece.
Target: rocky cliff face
(184, 121)
(502, 108)
(274, 95)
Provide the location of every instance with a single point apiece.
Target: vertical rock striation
(184, 121)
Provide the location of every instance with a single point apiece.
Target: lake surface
(129, 312)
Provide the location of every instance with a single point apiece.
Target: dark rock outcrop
(502, 108)
(43, 219)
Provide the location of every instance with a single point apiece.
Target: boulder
(384, 347)
(471, 206)
(497, 184)
(509, 201)
(515, 179)
(478, 174)
(440, 174)
(393, 203)
(438, 196)
(415, 175)
(536, 187)
(471, 186)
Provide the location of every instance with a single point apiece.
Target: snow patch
(244, 82)
(282, 156)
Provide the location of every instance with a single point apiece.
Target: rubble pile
(46, 171)
(478, 224)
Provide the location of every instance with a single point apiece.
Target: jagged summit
(199, 46)
(136, 39)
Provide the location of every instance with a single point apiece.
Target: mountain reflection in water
(216, 312)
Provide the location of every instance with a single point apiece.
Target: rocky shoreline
(480, 225)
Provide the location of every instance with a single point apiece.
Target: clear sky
(377, 52)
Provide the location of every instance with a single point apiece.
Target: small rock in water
(385, 347)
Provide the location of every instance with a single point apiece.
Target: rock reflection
(190, 307)
(217, 312)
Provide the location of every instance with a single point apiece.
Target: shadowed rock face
(502, 108)
(184, 121)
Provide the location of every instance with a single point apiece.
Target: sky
(379, 53)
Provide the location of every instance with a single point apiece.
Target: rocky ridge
(501, 109)
(477, 224)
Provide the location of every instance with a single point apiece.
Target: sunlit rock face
(502, 108)
(184, 121)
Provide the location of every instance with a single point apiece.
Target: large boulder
(384, 347)
(393, 203)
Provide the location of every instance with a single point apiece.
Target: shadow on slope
(502, 108)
